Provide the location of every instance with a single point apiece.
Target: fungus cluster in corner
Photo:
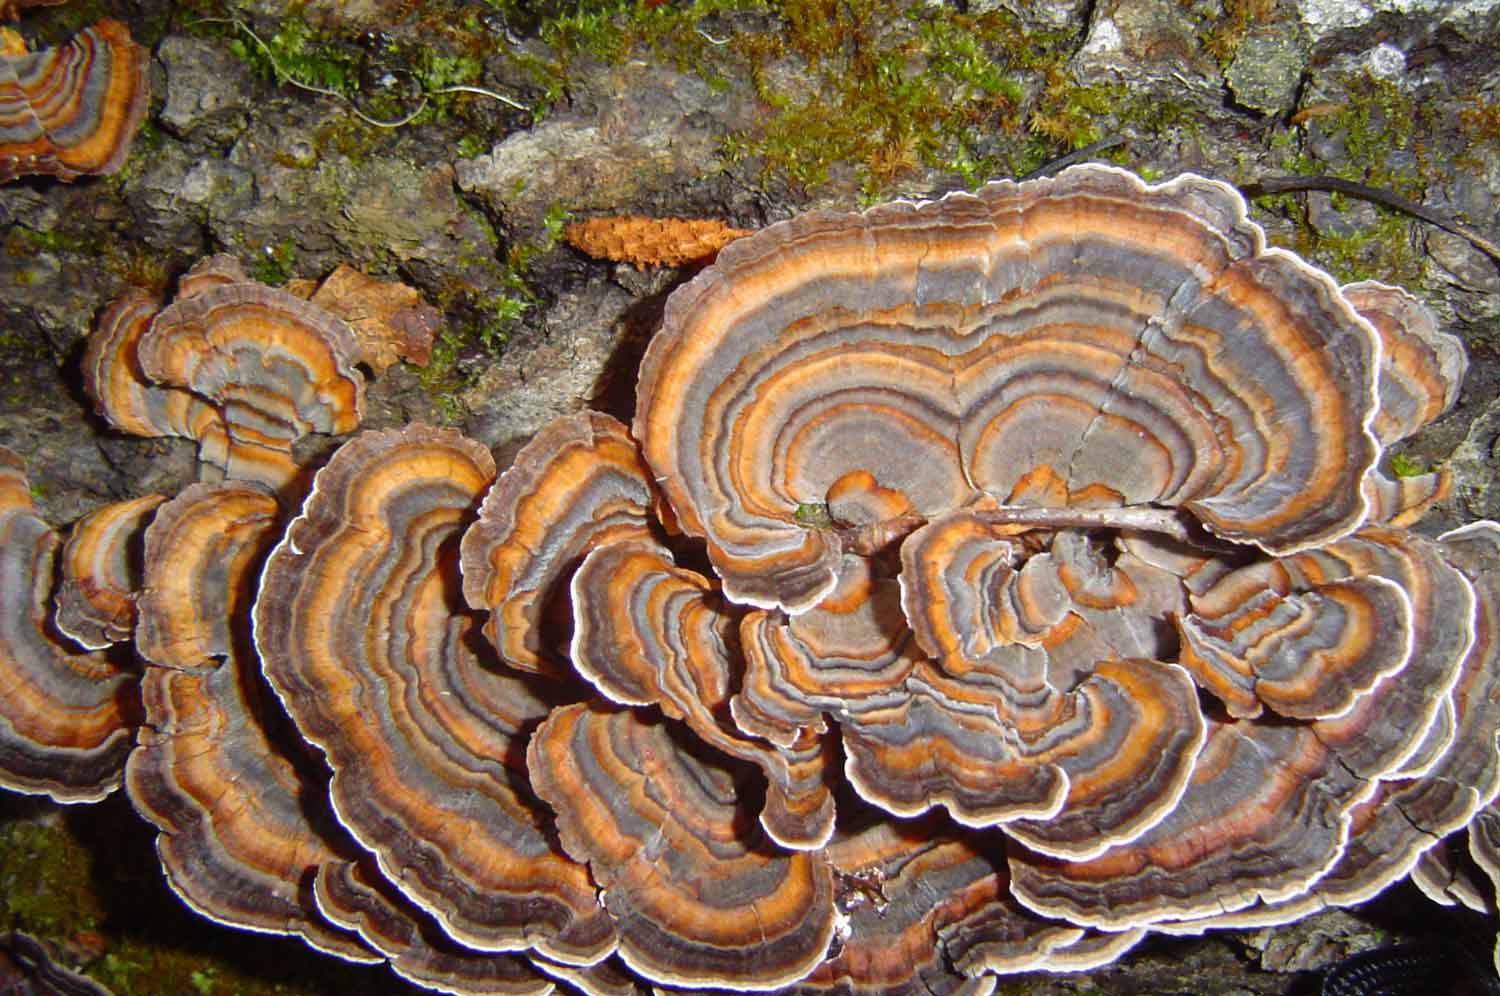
(72, 110)
(982, 584)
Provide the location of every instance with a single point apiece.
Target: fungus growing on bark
(983, 584)
(359, 629)
(101, 573)
(1128, 339)
(72, 110)
(244, 369)
(65, 717)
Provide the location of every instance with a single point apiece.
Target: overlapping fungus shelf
(982, 585)
(72, 110)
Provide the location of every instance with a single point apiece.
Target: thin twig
(1153, 520)
(1087, 152)
(1285, 184)
(284, 76)
(469, 88)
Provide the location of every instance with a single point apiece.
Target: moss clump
(1377, 132)
(1404, 466)
(892, 90)
(274, 264)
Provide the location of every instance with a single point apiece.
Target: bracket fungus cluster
(72, 110)
(981, 585)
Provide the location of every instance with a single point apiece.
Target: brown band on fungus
(72, 110)
(275, 368)
(101, 573)
(1421, 367)
(66, 718)
(915, 895)
(649, 633)
(237, 839)
(699, 897)
(1087, 323)
(1409, 815)
(203, 553)
(356, 898)
(218, 270)
(924, 750)
(123, 395)
(1265, 815)
(360, 628)
(850, 652)
(1438, 875)
(1404, 500)
(579, 483)
(1283, 635)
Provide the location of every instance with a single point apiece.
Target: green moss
(1379, 129)
(299, 53)
(1404, 466)
(59, 240)
(891, 91)
(813, 515)
(472, 145)
(274, 264)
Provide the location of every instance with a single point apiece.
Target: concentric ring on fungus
(983, 584)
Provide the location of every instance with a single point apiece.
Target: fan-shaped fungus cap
(1140, 341)
(72, 110)
(273, 366)
(112, 376)
(578, 484)
(700, 902)
(237, 840)
(1421, 367)
(360, 630)
(649, 633)
(65, 717)
(1337, 808)
(101, 573)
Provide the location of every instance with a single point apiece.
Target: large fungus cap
(1141, 342)
(72, 110)
(361, 631)
(237, 840)
(66, 718)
